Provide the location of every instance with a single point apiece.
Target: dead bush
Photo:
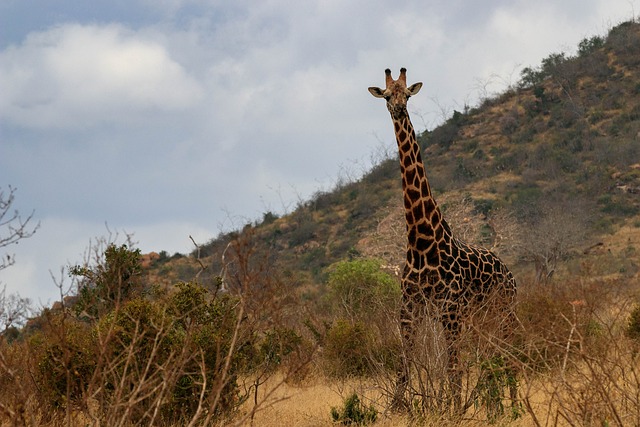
(578, 355)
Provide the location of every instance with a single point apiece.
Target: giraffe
(440, 270)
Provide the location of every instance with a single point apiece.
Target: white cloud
(76, 76)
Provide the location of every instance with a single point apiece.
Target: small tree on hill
(549, 238)
(109, 283)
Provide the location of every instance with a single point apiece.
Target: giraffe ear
(377, 92)
(415, 88)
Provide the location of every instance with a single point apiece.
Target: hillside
(560, 148)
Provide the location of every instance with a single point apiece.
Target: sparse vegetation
(354, 412)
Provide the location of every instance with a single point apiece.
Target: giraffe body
(440, 271)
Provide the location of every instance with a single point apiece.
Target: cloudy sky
(170, 118)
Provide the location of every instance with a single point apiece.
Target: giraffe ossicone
(451, 276)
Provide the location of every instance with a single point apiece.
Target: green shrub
(531, 77)
(276, 345)
(617, 205)
(354, 412)
(633, 324)
(112, 281)
(141, 328)
(360, 286)
(65, 357)
(208, 327)
(444, 135)
(494, 379)
(589, 45)
(347, 348)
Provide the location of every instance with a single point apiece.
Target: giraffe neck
(426, 229)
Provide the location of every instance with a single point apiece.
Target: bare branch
(202, 266)
(13, 227)
(14, 310)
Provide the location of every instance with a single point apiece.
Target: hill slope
(553, 163)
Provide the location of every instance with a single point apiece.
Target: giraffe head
(396, 93)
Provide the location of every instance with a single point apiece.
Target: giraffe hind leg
(403, 373)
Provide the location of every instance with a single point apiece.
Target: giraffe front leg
(403, 372)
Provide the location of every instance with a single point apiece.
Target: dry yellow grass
(310, 405)
(307, 405)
